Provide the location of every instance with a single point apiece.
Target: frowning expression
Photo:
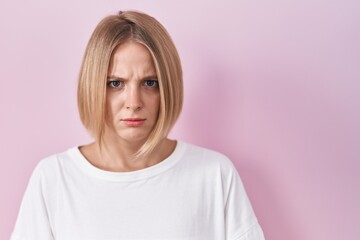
(132, 93)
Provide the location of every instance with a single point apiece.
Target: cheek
(108, 113)
(156, 104)
(112, 107)
(151, 100)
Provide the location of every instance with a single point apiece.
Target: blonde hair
(110, 33)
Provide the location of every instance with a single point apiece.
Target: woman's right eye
(115, 84)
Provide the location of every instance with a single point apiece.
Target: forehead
(131, 58)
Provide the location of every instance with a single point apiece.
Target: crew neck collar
(144, 173)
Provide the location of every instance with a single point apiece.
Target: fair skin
(132, 107)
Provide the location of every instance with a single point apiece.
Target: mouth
(133, 122)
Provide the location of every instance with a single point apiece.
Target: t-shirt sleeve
(33, 219)
(241, 222)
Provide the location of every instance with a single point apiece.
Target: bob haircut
(112, 31)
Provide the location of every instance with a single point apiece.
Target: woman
(134, 182)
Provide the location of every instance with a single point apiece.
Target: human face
(132, 94)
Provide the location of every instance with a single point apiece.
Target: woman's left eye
(151, 83)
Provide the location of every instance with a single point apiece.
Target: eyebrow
(150, 77)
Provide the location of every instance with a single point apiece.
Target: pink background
(272, 84)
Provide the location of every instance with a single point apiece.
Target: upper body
(194, 194)
(133, 182)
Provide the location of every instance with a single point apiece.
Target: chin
(129, 135)
(134, 137)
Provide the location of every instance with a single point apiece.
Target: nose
(133, 99)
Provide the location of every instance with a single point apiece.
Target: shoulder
(50, 166)
(210, 155)
(206, 157)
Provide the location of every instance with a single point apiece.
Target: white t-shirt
(194, 194)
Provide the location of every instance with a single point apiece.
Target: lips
(133, 122)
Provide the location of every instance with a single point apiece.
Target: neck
(121, 150)
(119, 157)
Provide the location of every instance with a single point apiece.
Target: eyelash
(110, 83)
(156, 83)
